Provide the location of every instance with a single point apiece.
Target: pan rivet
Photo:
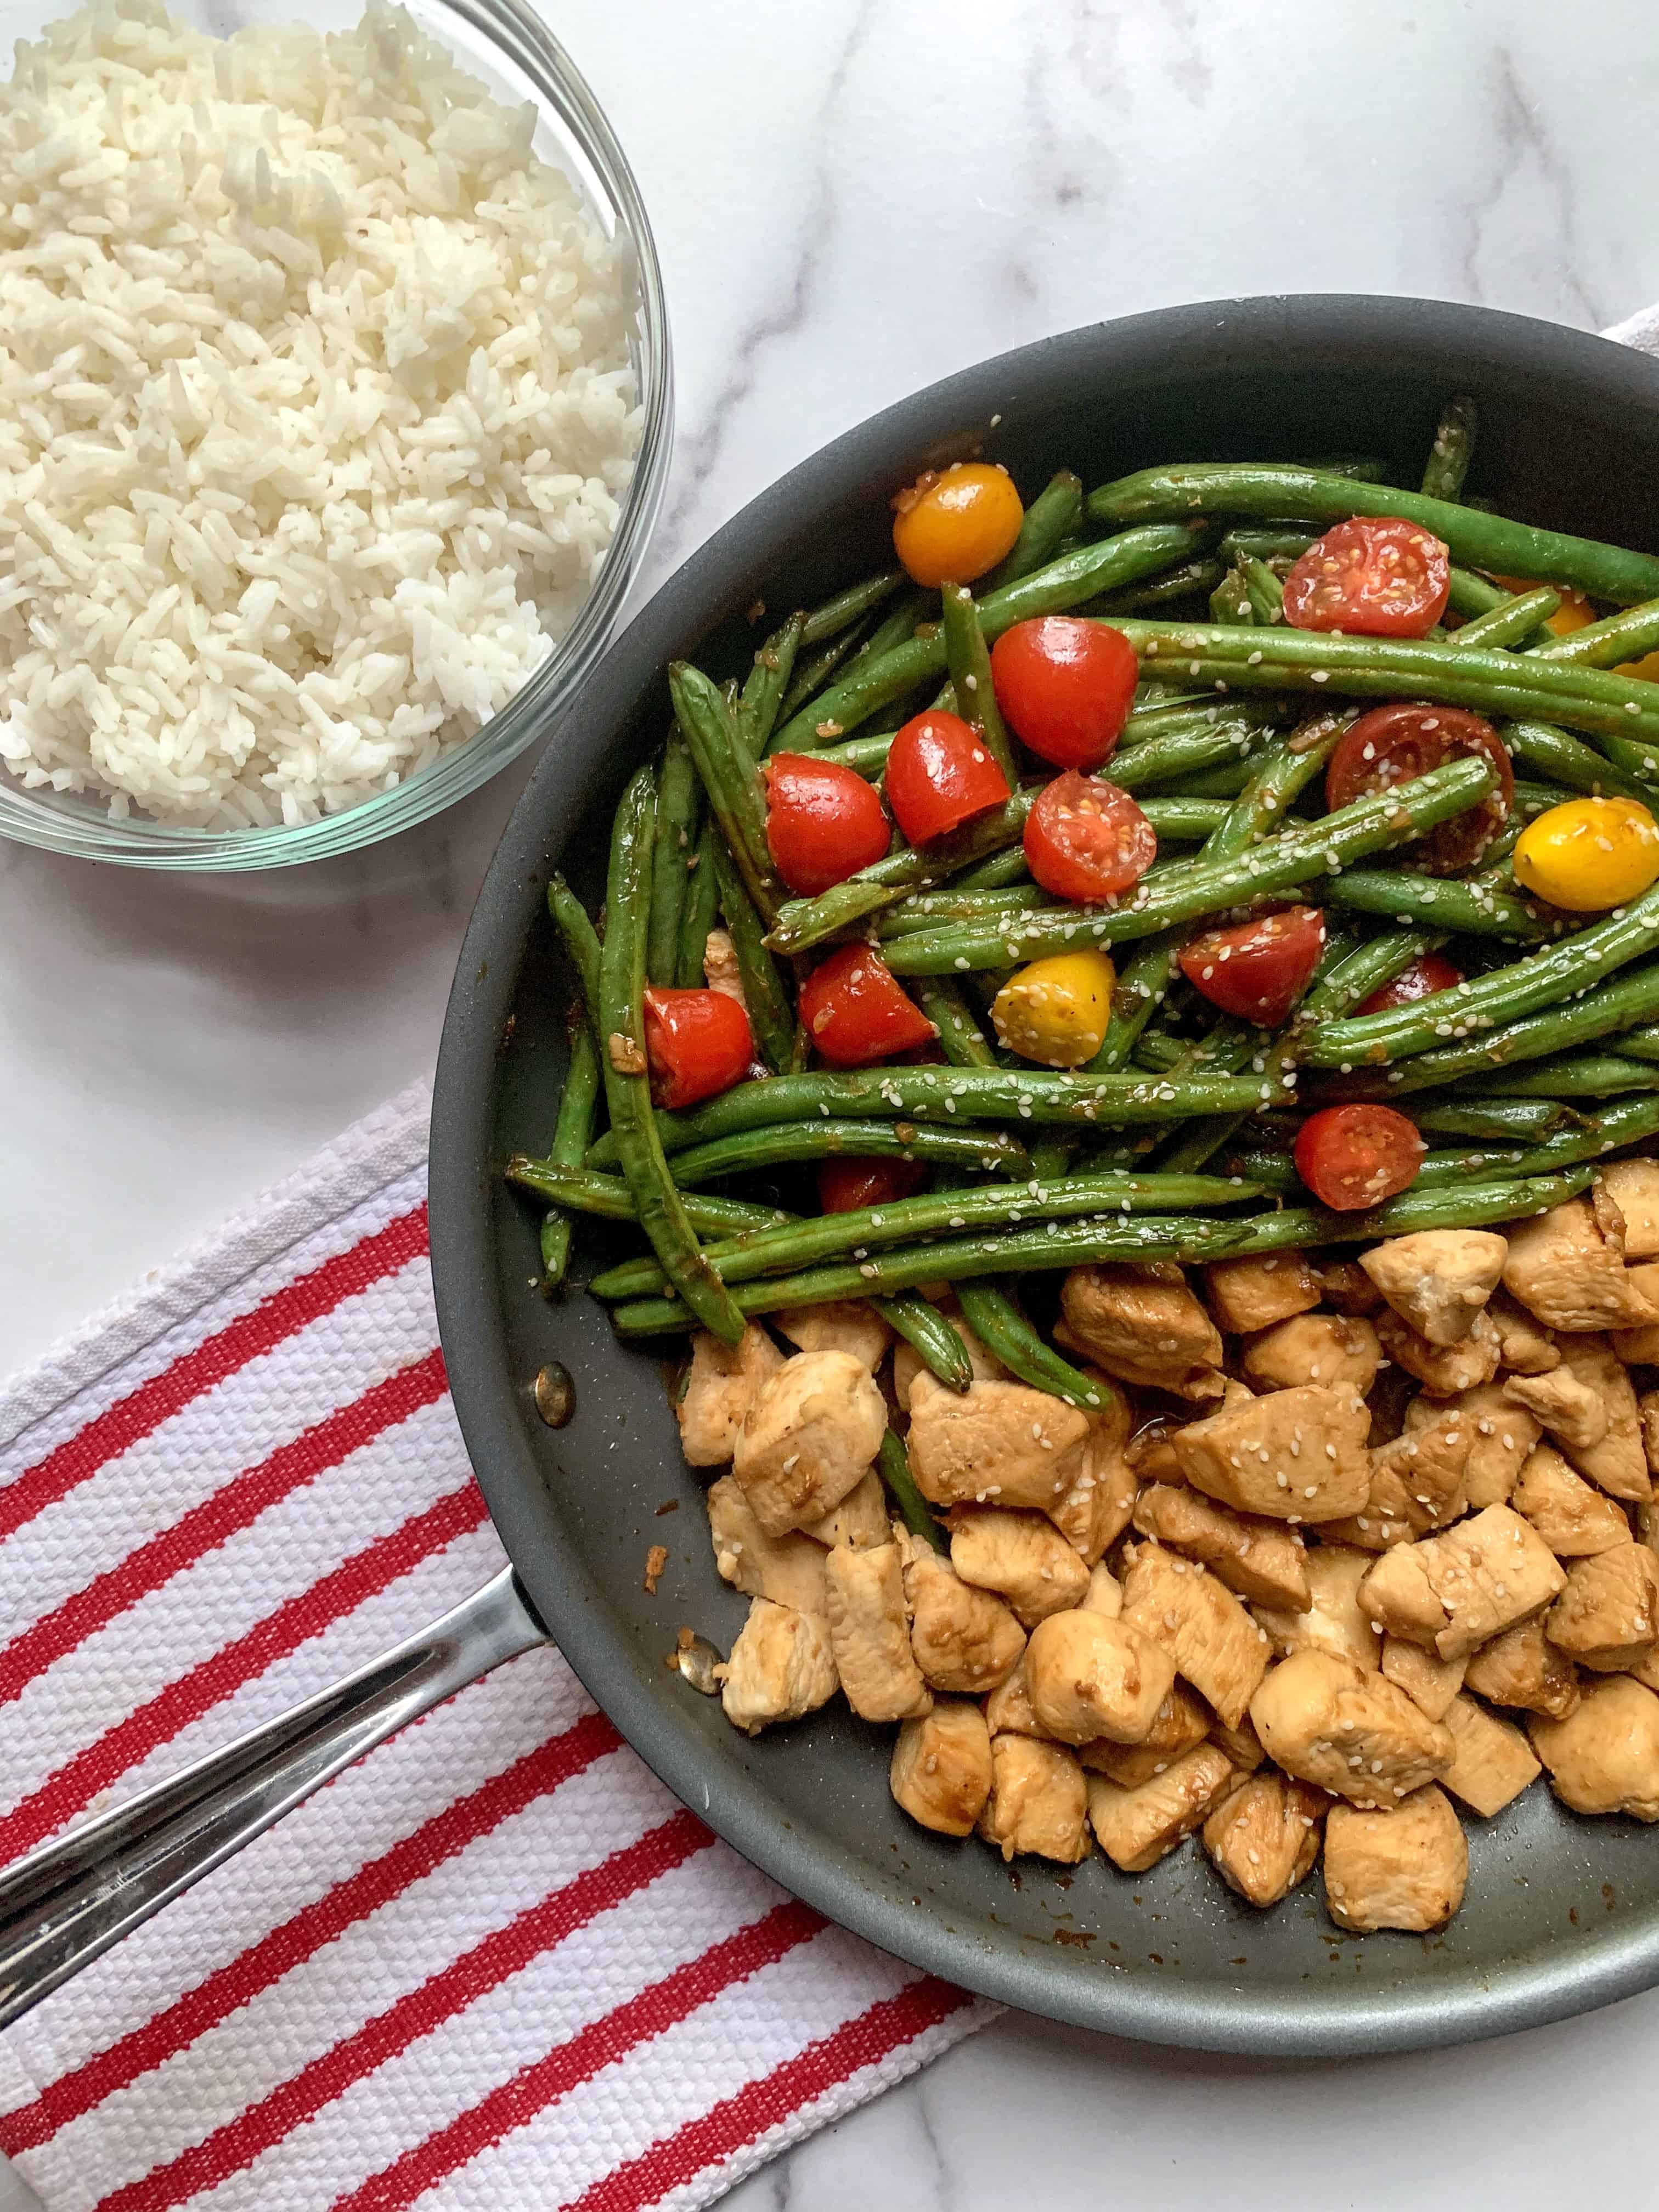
(555, 1394)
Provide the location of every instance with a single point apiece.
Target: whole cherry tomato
(696, 1042)
(1377, 576)
(822, 821)
(848, 1185)
(1395, 744)
(1064, 686)
(1354, 1157)
(1086, 840)
(856, 1011)
(1430, 973)
(940, 774)
(1258, 969)
(951, 526)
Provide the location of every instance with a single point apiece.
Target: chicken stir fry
(1339, 1554)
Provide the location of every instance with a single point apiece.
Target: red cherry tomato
(1257, 970)
(1086, 840)
(1065, 686)
(1395, 744)
(856, 1011)
(823, 823)
(847, 1185)
(1354, 1157)
(1432, 972)
(697, 1042)
(940, 774)
(1377, 576)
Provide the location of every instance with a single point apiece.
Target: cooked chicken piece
(1346, 1285)
(1607, 1616)
(1150, 1452)
(781, 1667)
(1523, 1347)
(1405, 1868)
(1242, 1744)
(1453, 1591)
(1494, 1762)
(1105, 1592)
(1438, 1280)
(789, 1570)
(1141, 1323)
(1523, 1668)
(1443, 1370)
(1633, 1187)
(721, 1385)
(1181, 1721)
(1039, 1801)
(1429, 1682)
(1501, 1434)
(1256, 1558)
(964, 1638)
(1639, 1347)
(808, 1438)
(721, 969)
(1294, 1456)
(995, 1444)
(838, 1325)
(1313, 1348)
(1617, 1462)
(1023, 1556)
(1250, 1294)
(1418, 1481)
(1358, 1736)
(1559, 1403)
(870, 1635)
(1263, 1837)
(1332, 1620)
(1201, 1624)
(1089, 1677)
(1137, 1827)
(1570, 1273)
(1008, 1709)
(1093, 1510)
(861, 1519)
(941, 1769)
(1574, 1518)
(1648, 1415)
(907, 1362)
(1604, 1757)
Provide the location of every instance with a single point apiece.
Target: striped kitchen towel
(493, 1964)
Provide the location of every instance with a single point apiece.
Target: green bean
(1003, 1329)
(1053, 515)
(1142, 984)
(1189, 579)
(928, 909)
(1630, 635)
(1190, 489)
(791, 1142)
(830, 617)
(1511, 623)
(810, 677)
(1189, 889)
(1266, 541)
(1230, 600)
(676, 835)
(1182, 718)
(1183, 821)
(1172, 759)
(1266, 593)
(621, 1056)
(925, 1328)
(581, 940)
(866, 757)
(573, 1133)
(731, 780)
(960, 1037)
(768, 681)
(1578, 1075)
(1572, 761)
(771, 1016)
(1628, 1123)
(703, 895)
(1453, 449)
(969, 665)
(1443, 903)
(1278, 779)
(893, 1466)
(1003, 871)
(802, 923)
(1502, 1118)
(584, 1190)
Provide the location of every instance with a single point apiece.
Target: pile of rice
(315, 412)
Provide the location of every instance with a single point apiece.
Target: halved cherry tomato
(940, 776)
(855, 1010)
(1086, 840)
(951, 526)
(1354, 1157)
(1377, 576)
(1258, 969)
(847, 1185)
(1065, 686)
(823, 823)
(696, 1042)
(1395, 744)
(1431, 973)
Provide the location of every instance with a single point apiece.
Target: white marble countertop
(851, 199)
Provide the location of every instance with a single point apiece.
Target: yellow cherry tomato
(1574, 612)
(950, 528)
(1589, 854)
(1055, 1011)
(1647, 668)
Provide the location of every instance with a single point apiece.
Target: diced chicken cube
(1141, 1322)
(810, 1434)
(1255, 1294)
(1296, 1454)
(1604, 1757)
(1524, 1346)
(940, 1773)
(1521, 1667)
(1089, 1677)
(907, 1362)
(1105, 1594)
(1256, 1558)
(789, 1568)
(1263, 1837)
(1008, 1709)
(870, 1635)
(1093, 1510)
(1494, 1762)
(1137, 1827)
(964, 1638)
(1559, 1403)
(1569, 1275)
(1648, 1406)
(995, 1444)
(1332, 1620)
(721, 1386)
(1639, 1347)
(1313, 1348)
(1039, 1801)
(861, 1519)
(1574, 1518)
(1501, 1434)
(1633, 1187)
(1418, 1482)
(781, 1667)
(1356, 1734)
(1200, 1623)
(1438, 1280)
(849, 1325)
(1431, 1683)
(1443, 1370)
(1617, 1462)
(1023, 1556)
(1607, 1619)
(1242, 1744)
(1455, 1590)
(1405, 1868)
(1345, 1284)
(1181, 1721)
(721, 969)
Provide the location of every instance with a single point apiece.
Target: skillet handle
(67, 1902)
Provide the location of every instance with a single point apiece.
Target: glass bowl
(504, 42)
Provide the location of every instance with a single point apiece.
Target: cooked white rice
(315, 412)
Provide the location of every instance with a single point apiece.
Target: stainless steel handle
(68, 1901)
